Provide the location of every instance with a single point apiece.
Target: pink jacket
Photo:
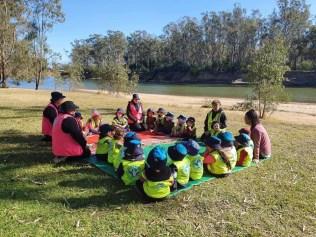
(261, 140)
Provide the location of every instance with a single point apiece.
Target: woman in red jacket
(135, 114)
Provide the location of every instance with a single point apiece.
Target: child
(215, 129)
(196, 160)
(179, 129)
(160, 119)
(156, 181)
(168, 124)
(116, 145)
(93, 123)
(132, 164)
(218, 165)
(150, 120)
(190, 131)
(119, 120)
(244, 150)
(127, 138)
(180, 164)
(228, 147)
(247, 131)
(104, 142)
(79, 119)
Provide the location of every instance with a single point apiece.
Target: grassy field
(38, 198)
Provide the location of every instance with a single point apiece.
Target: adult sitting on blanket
(67, 138)
(216, 114)
(50, 113)
(135, 114)
(259, 135)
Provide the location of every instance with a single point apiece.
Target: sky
(86, 17)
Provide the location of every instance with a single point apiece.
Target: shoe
(59, 159)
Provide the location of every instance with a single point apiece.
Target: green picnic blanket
(108, 169)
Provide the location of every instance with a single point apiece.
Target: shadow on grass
(22, 152)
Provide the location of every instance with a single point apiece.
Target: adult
(216, 114)
(259, 135)
(50, 113)
(135, 114)
(67, 138)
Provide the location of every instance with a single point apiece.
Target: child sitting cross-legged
(216, 129)
(244, 150)
(216, 163)
(93, 123)
(104, 141)
(150, 120)
(119, 120)
(132, 164)
(180, 164)
(116, 145)
(196, 160)
(179, 129)
(156, 182)
(190, 130)
(128, 137)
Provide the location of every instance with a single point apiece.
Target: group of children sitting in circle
(163, 124)
(167, 169)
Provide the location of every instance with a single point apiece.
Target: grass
(38, 198)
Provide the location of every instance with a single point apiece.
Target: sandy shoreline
(292, 112)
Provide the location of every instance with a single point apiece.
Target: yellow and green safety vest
(103, 145)
(160, 121)
(210, 120)
(183, 174)
(114, 150)
(196, 166)
(213, 133)
(178, 130)
(247, 161)
(219, 166)
(118, 159)
(157, 189)
(132, 171)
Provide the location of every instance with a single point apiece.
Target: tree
(43, 14)
(266, 74)
(11, 47)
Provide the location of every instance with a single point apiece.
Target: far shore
(292, 112)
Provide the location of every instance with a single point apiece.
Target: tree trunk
(3, 76)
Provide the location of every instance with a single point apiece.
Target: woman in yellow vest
(196, 160)
(103, 144)
(216, 163)
(132, 164)
(216, 114)
(180, 164)
(156, 182)
(244, 150)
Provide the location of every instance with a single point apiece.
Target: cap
(213, 142)
(192, 146)
(177, 152)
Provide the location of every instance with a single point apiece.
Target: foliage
(42, 15)
(266, 74)
(115, 78)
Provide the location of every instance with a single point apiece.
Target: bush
(306, 65)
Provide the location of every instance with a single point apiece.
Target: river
(295, 94)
